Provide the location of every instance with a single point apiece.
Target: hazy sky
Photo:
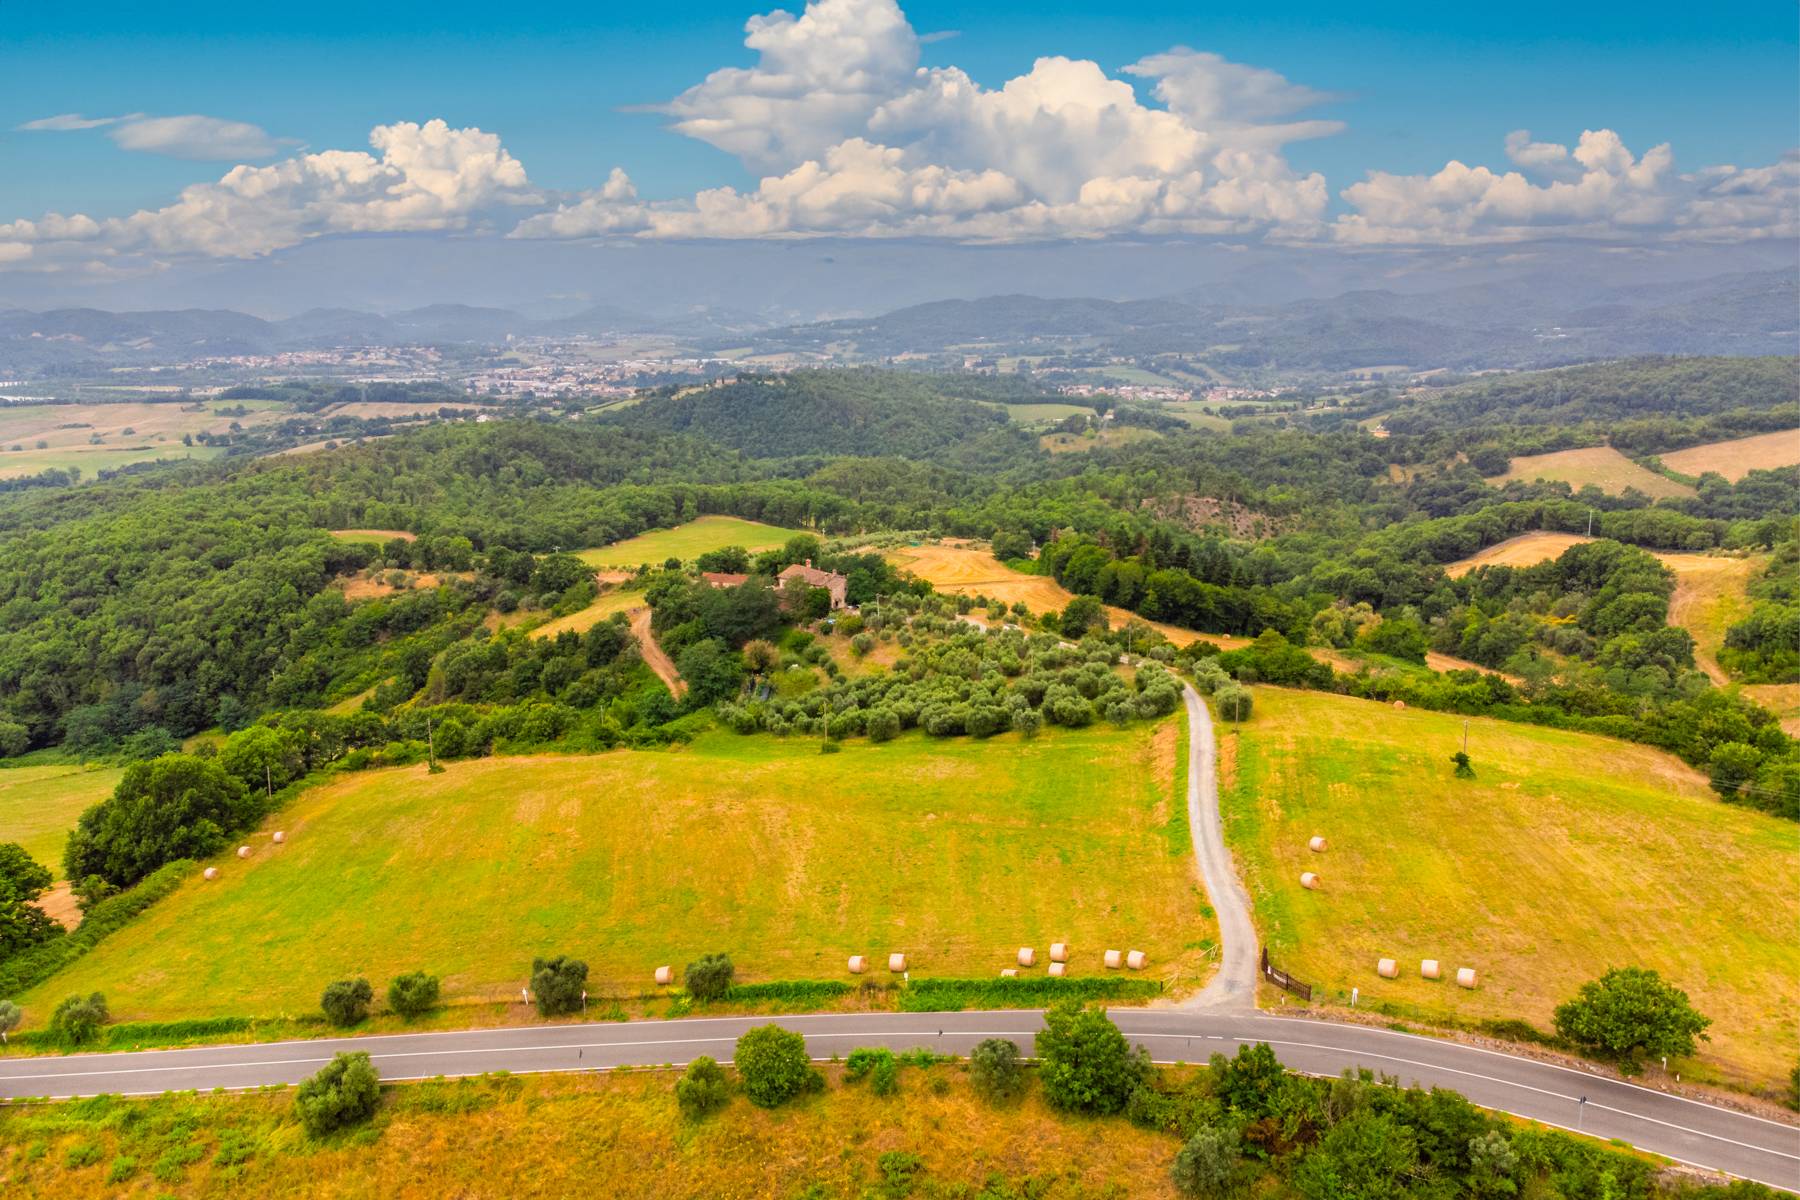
(142, 138)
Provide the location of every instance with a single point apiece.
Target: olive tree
(346, 1001)
(1630, 1012)
(774, 1066)
(343, 1093)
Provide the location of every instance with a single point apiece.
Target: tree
(28, 877)
(1731, 766)
(11, 1014)
(345, 1092)
(1082, 614)
(15, 739)
(346, 1001)
(710, 977)
(1087, 1065)
(413, 994)
(1629, 1012)
(78, 1019)
(760, 656)
(176, 806)
(1369, 1156)
(261, 757)
(1233, 701)
(1206, 1162)
(560, 984)
(774, 1066)
(997, 1070)
(1010, 544)
(712, 669)
(702, 1088)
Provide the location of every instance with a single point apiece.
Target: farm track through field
(654, 658)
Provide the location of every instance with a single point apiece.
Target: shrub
(702, 1088)
(710, 978)
(176, 806)
(997, 1070)
(77, 1020)
(413, 994)
(1087, 1064)
(346, 1001)
(1206, 1162)
(773, 1064)
(11, 1014)
(559, 984)
(878, 1064)
(343, 1093)
(1628, 1012)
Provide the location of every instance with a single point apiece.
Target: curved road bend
(1681, 1129)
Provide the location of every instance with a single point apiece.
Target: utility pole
(269, 781)
(1590, 531)
(1465, 735)
(430, 746)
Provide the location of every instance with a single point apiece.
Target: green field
(956, 852)
(1043, 415)
(688, 542)
(40, 803)
(1566, 855)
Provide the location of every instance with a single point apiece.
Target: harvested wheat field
(952, 850)
(1567, 854)
(1601, 466)
(972, 571)
(1740, 456)
(1526, 550)
(616, 601)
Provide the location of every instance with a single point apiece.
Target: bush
(702, 1088)
(346, 1002)
(1628, 1012)
(710, 978)
(559, 984)
(11, 1014)
(78, 1019)
(878, 1064)
(414, 994)
(176, 806)
(343, 1093)
(997, 1070)
(1087, 1064)
(1206, 1162)
(773, 1064)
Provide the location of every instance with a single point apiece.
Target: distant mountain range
(1518, 323)
(76, 337)
(1525, 321)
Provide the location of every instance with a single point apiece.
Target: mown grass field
(39, 804)
(156, 431)
(1112, 435)
(956, 852)
(1740, 456)
(688, 542)
(1526, 550)
(611, 1135)
(1566, 855)
(1601, 466)
(1710, 597)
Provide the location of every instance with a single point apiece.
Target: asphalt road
(1685, 1130)
(1234, 986)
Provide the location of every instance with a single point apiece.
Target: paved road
(1235, 984)
(1669, 1125)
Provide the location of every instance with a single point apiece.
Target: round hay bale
(1009, 973)
(1316, 845)
(896, 962)
(1309, 881)
(1387, 968)
(1400, 705)
(1059, 952)
(1136, 960)
(243, 852)
(665, 975)
(1429, 969)
(858, 964)
(210, 873)
(1465, 977)
(1057, 969)
(1114, 958)
(280, 837)
(1027, 956)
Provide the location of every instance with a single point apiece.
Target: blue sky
(551, 98)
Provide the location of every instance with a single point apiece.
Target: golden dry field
(1601, 466)
(1740, 456)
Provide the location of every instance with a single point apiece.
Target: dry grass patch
(611, 1135)
(1740, 456)
(1709, 598)
(1526, 550)
(962, 569)
(1601, 466)
(1566, 855)
(606, 605)
(379, 537)
(955, 851)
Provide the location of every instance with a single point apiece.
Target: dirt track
(654, 658)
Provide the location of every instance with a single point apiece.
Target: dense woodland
(139, 610)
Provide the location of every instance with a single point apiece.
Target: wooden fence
(1282, 979)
